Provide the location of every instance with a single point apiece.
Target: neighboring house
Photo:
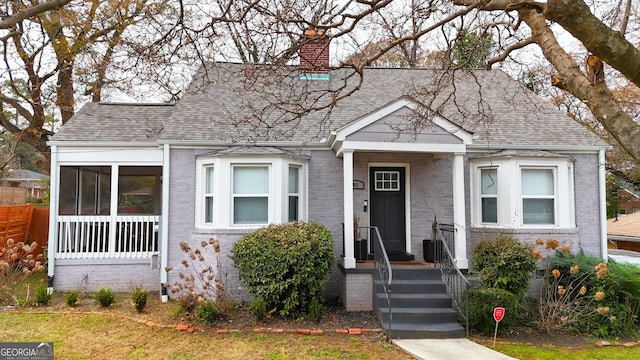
(628, 199)
(623, 232)
(474, 148)
(35, 183)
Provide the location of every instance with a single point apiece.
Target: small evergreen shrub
(105, 297)
(207, 312)
(285, 265)
(316, 310)
(42, 295)
(482, 301)
(258, 309)
(504, 263)
(139, 299)
(71, 298)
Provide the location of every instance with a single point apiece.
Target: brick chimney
(314, 55)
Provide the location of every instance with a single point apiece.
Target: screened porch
(108, 212)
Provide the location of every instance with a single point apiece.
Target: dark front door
(388, 206)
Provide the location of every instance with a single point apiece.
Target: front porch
(407, 176)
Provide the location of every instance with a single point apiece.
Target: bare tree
(175, 32)
(67, 50)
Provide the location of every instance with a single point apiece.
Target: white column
(602, 193)
(459, 218)
(113, 224)
(53, 217)
(164, 223)
(349, 243)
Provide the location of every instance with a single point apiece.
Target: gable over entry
(392, 130)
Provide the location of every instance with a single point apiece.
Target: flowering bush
(198, 281)
(578, 292)
(16, 261)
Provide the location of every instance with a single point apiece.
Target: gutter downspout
(164, 223)
(53, 218)
(602, 192)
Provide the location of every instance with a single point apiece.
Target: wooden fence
(15, 222)
(13, 196)
(24, 223)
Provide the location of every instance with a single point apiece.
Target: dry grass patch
(86, 331)
(96, 336)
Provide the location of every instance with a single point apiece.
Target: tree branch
(596, 96)
(625, 18)
(609, 45)
(508, 51)
(11, 20)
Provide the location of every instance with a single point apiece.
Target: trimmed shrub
(504, 263)
(72, 298)
(482, 301)
(285, 265)
(105, 297)
(42, 295)
(139, 299)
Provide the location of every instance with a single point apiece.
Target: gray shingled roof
(24, 175)
(238, 103)
(115, 122)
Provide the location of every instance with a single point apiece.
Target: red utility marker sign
(498, 315)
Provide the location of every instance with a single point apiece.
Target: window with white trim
(513, 192)
(538, 196)
(387, 180)
(208, 195)
(250, 194)
(489, 195)
(294, 194)
(249, 191)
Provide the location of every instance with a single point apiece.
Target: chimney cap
(314, 32)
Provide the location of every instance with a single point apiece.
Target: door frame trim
(407, 195)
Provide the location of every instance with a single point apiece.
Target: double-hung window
(208, 194)
(489, 195)
(293, 194)
(538, 196)
(250, 194)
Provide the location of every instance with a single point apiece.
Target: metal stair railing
(383, 265)
(457, 284)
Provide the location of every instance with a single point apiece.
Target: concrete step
(450, 330)
(420, 315)
(420, 305)
(415, 300)
(416, 273)
(413, 286)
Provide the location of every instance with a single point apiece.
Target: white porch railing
(91, 237)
